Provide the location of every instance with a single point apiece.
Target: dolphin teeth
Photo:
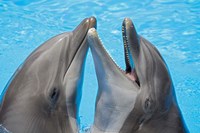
(126, 49)
(107, 52)
(131, 74)
(130, 70)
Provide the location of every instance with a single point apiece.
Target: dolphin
(139, 99)
(44, 93)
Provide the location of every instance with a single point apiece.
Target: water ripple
(173, 26)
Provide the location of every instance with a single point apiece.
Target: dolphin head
(134, 99)
(156, 101)
(44, 93)
(151, 73)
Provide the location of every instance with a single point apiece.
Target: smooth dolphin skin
(44, 93)
(140, 99)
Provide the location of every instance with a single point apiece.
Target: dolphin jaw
(90, 23)
(94, 39)
(129, 61)
(93, 35)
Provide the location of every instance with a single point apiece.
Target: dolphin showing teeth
(116, 94)
(140, 99)
(44, 93)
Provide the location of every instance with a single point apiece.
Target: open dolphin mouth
(117, 88)
(131, 100)
(130, 70)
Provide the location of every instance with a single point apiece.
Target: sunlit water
(172, 26)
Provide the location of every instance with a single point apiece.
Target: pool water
(173, 26)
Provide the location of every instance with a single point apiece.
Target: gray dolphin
(44, 93)
(140, 99)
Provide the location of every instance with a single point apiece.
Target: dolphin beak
(131, 48)
(104, 64)
(130, 37)
(78, 41)
(75, 55)
(81, 30)
(93, 22)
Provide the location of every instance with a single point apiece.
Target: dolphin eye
(54, 94)
(148, 105)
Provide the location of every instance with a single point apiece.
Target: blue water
(3, 129)
(172, 25)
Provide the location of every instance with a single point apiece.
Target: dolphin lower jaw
(130, 71)
(79, 39)
(74, 81)
(94, 39)
(73, 77)
(127, 28)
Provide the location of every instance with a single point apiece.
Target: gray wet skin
(140, 99)
(44, 93)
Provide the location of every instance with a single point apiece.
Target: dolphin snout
(92, 33)
(92, 22)
(131, 38)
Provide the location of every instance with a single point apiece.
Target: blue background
(173, 26)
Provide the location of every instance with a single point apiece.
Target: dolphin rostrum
(43, 94)
(140, 99)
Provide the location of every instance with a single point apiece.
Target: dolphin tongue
(132, 75)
